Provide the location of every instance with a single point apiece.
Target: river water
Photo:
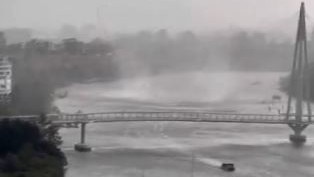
(176, 149)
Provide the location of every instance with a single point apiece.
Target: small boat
(229, 167)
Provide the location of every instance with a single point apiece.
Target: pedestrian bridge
(73, 120)
(176, 116)
(173, 116)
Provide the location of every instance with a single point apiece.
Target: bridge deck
(176, 116)
(168, 116)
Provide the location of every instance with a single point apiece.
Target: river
(176, 149)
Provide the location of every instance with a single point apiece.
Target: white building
(5, 76)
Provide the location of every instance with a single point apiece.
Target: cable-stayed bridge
(73, 120)
(297, 121)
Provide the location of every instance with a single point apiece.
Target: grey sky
(132, 15)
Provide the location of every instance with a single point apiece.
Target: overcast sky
(133, 15)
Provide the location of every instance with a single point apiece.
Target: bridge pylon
(299, 86)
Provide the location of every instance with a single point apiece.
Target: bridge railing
(31, 118)
(171, 116)
(166, 116)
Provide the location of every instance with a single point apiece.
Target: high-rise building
(5, 78)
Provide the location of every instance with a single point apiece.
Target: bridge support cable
(307, 80)
(299, 84)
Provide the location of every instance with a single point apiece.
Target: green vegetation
(30, 150)
(40, 67)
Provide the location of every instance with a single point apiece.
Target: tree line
(159, 51)
(41, 66)
(49, 65)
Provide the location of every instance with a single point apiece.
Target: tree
(99, 47)
(50, 131)
(33, 91)
(26, 151)
(72, 46)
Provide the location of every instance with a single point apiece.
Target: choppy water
(177, 149)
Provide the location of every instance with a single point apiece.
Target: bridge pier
(82, 147)
(297, 138)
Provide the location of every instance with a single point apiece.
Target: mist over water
(204, 89)
(166, 55)
(181, 87)
(184, 87)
